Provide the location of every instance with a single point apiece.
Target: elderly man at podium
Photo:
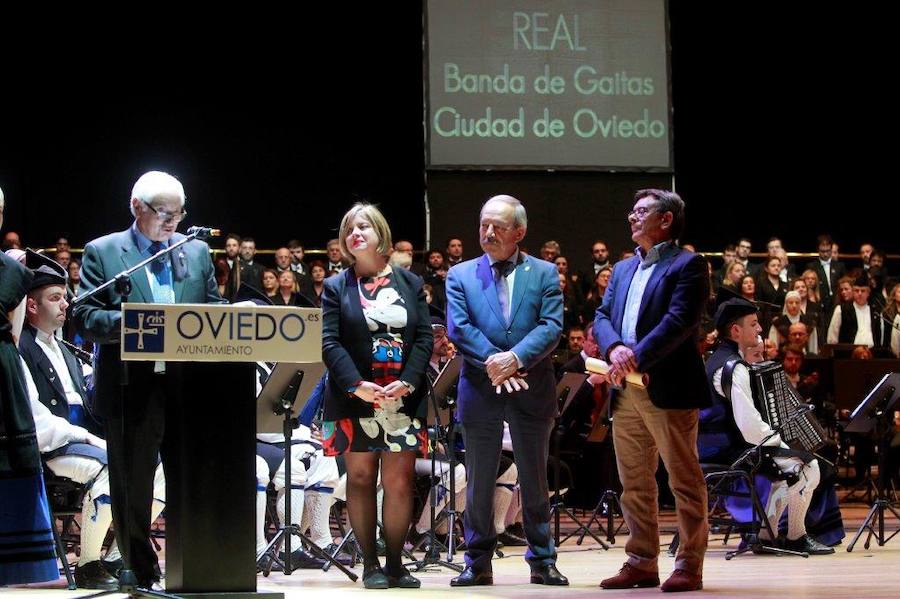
(135, 414)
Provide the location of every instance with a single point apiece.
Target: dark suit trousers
(483, 437)
(134, 437)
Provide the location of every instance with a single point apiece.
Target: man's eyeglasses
(167, 216)
(640, 213)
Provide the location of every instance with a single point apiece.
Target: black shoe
(380, 547)
(404, 580)
(374, 578)
(508, 539)
(471, 578)
(93, 575)
(302, 560)
(344, 559)
(807, 544)
(549, 575)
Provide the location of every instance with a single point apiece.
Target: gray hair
(666, 201)
(520, 218)
(153, 184)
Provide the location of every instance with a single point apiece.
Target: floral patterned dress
(389, 429)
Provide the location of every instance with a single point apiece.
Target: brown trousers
(642, 432)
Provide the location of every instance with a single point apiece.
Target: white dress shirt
(863, 326)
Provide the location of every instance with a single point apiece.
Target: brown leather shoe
(682, 580)
(630, 577)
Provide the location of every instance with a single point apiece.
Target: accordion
(777, 401)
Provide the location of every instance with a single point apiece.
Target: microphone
(597, 366)
(203, 232)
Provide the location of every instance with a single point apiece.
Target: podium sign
(221, 333)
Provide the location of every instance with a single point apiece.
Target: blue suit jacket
(667, 325)
(476, 325)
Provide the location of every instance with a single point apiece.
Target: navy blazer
(476, 325)
(667, 325)
(347, 343)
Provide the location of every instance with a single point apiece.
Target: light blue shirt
(510, 282)
(636, 290)
(161, 285)
(510, 279)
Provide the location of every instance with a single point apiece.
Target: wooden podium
(211, 429)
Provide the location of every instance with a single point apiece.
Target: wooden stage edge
(872, 573)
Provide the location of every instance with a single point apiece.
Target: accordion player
(734, 422)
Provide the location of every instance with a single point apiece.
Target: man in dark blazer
(157, 204)
(648, 323)
(504, 314)
(251, 272)
(835, 269)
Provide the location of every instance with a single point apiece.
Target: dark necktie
(502, 270)
(158, 267)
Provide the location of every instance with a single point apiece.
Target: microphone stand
(122, 281)
(128, 583)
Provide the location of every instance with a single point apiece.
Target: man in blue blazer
(648, 323)
(504, 313)
(187, 277)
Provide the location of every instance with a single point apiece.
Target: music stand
(444, 388)
(441, 402)
(566, 390)
(609, 503)
(281, 400)
(875, 414)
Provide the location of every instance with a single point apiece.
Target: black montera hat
(46, 270)
(731, 310)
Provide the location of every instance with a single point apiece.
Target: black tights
(397, 480)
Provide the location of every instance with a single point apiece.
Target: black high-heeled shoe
(375, 578)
